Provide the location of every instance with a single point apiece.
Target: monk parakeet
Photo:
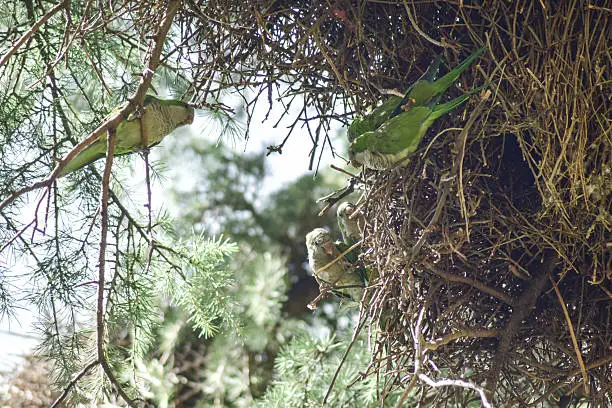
(340, 276)
(350, 224)
(157, 119)
(420, 93)
(426, 88)
(399, 136)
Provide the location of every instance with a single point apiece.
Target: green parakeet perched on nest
(157, 119)
(419, 93)
(399, 136)
(340, 276)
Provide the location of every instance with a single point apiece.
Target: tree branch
(73, 382)
(151, 63)
(522, 308)
(32, 30)
(100, 323)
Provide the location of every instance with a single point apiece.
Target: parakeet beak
(353, 160)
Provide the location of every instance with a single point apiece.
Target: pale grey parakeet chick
(351, 225)
(340, 276)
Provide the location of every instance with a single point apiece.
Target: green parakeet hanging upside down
(420, 93)
(339, 276)
(157, 119)
(399, 136)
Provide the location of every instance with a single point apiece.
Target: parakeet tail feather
(451, 77)
(89, 155)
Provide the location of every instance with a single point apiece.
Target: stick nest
(492, 244)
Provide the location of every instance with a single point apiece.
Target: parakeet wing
(374, 119)
(396, 134)
(425, 88)
(420, 92)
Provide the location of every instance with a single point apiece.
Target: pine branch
(100, 323)
(151, 63)
(32, 30)
(73, 383)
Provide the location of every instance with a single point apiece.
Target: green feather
(425, 89)
(399, 136)
(374, 119)
(353, 258)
